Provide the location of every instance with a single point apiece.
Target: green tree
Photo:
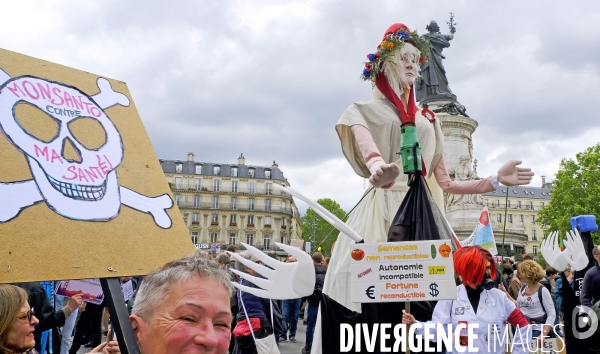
(318, 231)
(576, 192)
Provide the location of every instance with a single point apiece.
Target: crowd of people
(188, 302)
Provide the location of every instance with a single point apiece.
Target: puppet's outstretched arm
(383, 174)
(509, 175)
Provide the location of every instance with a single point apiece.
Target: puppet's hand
(383, 175)
(511, 175)
(280, 280)
(574, 245)
(552, 253)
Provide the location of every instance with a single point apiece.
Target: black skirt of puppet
(418, 218)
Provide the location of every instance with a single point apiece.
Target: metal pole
(113, 295)
(505, 253)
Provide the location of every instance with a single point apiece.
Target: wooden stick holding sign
(119, 315)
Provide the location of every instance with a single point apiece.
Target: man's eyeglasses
(26, 314)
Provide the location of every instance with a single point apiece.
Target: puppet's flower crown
(385, 50)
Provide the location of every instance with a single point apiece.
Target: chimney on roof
(190, 156)
(275, 165)
(241, 159)
(543, 181)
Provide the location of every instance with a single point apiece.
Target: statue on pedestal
(433, 84)
(462, 172)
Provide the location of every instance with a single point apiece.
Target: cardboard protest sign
(406, 271)
(82, 194)
(483, 234)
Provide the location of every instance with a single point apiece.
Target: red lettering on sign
(57, 91)
(30, 94)
(45, 92)
(14, 89)
(39, 151)
(55, 156)
(72, 170)
(68, 99)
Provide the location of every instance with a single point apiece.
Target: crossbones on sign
(76, 181)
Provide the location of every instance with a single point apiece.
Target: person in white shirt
(479, 302)
(542, 313)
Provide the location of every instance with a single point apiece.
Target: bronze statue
(433, 84)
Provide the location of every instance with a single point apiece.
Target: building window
(269, 188)
(530, 205)
(250, 239)
(197, 184)
(535, 251)
(233, 219)
(234, 185)
(177, 199)
(532, 218)
(217, 170)
(252, 187)
(250, 220)
(215, 219)
(518, 204)
(198, 169)
(196, 201)
(520, 218)
(282, 221)
(234, 172)
(283, 240)
(509, 218)
(508, 203)
(195, 237)
(233, 203)
(267, 241)
(499, 218)
(178, 182)
(542, 204)
(178, 167)
(485, 202)
(232, 239)
(214, 237)
(267, 220)
(251, 172)
(251, 203)
(216, 185)
(196, 217)
(534, 235)
(268, 174)
(215, 203)
(268, 205)
(497, 203)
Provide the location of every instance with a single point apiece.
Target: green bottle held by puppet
(410, 151)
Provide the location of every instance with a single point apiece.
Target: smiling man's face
(193, 318)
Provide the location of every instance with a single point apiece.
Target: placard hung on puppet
(82, 194)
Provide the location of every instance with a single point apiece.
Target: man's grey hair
(246, 255)
(159, 282)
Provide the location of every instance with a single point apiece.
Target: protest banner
(78, 178)
(407, 271)
(483, 235)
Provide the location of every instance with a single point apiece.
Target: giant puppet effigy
(398, 146)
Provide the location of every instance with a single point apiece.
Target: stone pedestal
(462, 211)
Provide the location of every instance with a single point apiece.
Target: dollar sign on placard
(433, 290)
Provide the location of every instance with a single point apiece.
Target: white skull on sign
(75, 175)
(68, 182)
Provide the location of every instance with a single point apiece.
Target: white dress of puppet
(373, 215)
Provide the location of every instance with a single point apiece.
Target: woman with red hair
(478, 302)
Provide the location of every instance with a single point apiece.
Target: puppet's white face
(409, 69)
(74, 173)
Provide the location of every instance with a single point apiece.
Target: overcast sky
(271, 78)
